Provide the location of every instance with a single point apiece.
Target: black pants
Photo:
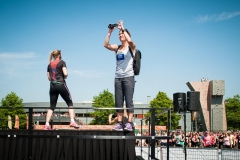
(226, 146)
(124, 89)
(220, 145)
(55, 90)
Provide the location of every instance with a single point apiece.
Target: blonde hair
(53, 54)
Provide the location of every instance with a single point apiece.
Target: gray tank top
(124, 64)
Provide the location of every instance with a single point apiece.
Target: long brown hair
(53, 54)
(126, 30)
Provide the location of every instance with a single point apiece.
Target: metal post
(87, 118)
(59, 116)
(191, 121)
(170, 127)
(141, 135)
(212, 120)
(51, 123)
(185, 138)
(30, 132)
(153, 133)
(168, 130)
(149, 133)
(196, 124)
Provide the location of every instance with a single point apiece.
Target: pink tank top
(207, 141)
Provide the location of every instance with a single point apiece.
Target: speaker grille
(179, 101)
(193, 101)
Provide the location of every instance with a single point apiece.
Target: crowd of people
(206, 139)
(53, 115)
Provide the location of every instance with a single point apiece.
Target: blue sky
(180, 41)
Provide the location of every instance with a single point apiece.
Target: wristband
(109, 34)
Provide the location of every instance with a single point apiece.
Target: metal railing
(150, 152)
(152, 138)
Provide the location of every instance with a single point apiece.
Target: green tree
(163, 101)
(104, 100)
(233, 112)
(14, 105)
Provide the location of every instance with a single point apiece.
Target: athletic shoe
(47, 127)
(74, 124)
(128, 127)
(118, 127)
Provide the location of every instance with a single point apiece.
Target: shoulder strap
(131, 52)
(118, 47)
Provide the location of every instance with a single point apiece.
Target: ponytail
(50, 57)
(54, 53)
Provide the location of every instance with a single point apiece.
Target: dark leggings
(220, 145)
(55, 90)
(226, 146)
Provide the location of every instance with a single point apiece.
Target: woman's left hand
(120, 25)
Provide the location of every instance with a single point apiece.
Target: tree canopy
(233, 112)
(13, 103)
(163, 101)
(104, 100)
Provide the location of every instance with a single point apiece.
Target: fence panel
(146, 152)
(230, 154)
(202, 154)
(177, 153)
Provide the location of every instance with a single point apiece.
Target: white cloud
(213, 18)
(26, 55)
(19, 64)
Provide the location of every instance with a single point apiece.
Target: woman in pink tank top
(207, 140)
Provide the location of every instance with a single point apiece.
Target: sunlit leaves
(14, 105)
(104, 100)
(233, 112)
(163, 101)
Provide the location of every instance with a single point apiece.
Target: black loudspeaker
(179, 101)
(193, 100)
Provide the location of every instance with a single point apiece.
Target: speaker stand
(185, 138)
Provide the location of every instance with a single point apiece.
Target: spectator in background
(195, 140)
(189, 139)
(178, 139)
(213, 139)
(235, 139)
(238, 140)
(220, 138)
(227, 141)
(112, 118)
(171, 140)
(207, 140)
(138, 141)
(232, 139)
(164, 141)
